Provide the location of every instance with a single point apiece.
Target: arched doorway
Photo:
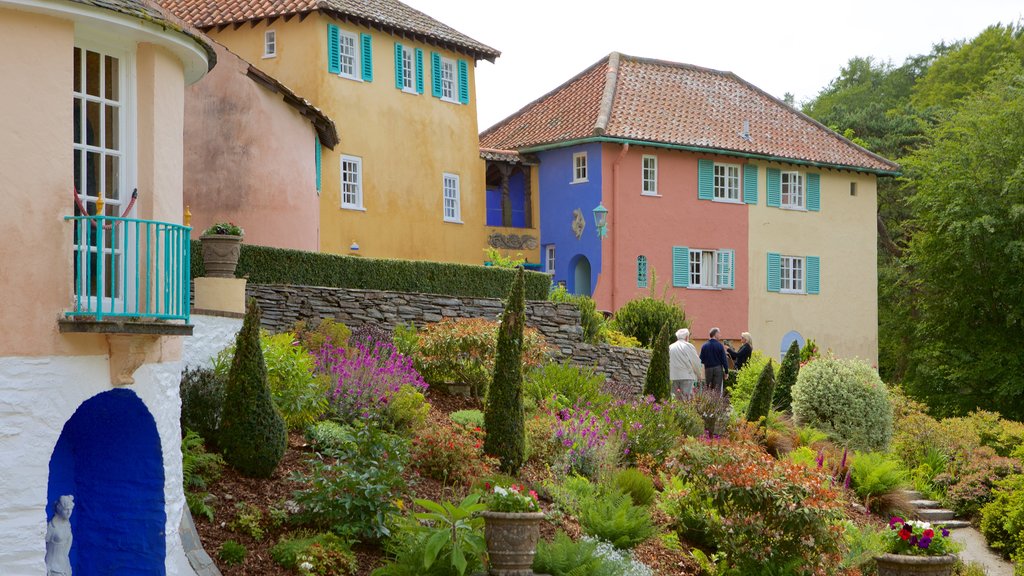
(109, 458)
(787, 341)
(580, 275)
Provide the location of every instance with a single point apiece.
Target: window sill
(450, 100)
(703, 288)
(651, 194)
(351, 207)
(453, 221)
(268, 56)
(352, 78)
(799, 292)
(579, 181)
(411, 91)
(726, 201)
(793, 208)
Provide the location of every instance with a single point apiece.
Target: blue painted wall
(517, 196)
(558, 198)
(109, 457)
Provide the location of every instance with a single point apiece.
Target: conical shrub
(656, 382)
(503, 418)
(788, 372)
(761, 401)
(252, 433)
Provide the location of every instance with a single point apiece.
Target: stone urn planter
(511, 541)
(220, 254)
(903, 565)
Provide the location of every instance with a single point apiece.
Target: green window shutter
(399, 81)
(705, 179)
(813, 271)
(333, 49)
(435, 74)
(814, 192)
(366, 51)
(419, 71)
(774, 271)
(727, 269)
(318, 164)
(463, 82)
(750, 183)
(641, 271)
(774, 187)
(680, 266)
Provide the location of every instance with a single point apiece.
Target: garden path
(975, 550)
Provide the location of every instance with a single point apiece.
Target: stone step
(935, 514)
(954, 524)
(922, 504)
(913, 494)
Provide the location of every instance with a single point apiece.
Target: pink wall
(652, 225)
(249, 159)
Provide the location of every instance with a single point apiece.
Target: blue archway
(788, 340)
(579, 275)
(109, 457)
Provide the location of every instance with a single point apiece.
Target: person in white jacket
(684, 365)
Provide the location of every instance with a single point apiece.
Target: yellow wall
(843, 317)
(406, 142)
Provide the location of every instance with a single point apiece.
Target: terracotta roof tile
(678, 104)
(390, 15)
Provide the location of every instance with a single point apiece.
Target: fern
(873, 474)
(613, 518)
(563, 557)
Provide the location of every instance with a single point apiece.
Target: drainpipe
(616, 229)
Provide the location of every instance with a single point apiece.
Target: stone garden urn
(220, 254)
(905, 565)
(511, 541)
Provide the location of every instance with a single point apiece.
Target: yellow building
(407, 180)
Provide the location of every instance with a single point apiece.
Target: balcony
(130, 277)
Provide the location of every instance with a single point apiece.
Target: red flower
(929, 533)
(904, 534)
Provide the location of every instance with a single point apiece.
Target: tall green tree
(656, 382)
(788, 371)
(761, 401)
(504, 419)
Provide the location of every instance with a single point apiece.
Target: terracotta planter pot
(511, 541)
(220, 254)
(901, 565)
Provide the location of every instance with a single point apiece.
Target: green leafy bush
(248, 520)
(970, 483)
(874, 475)
(614, 337)
(468, 418)
(788, 371)
(691, 511)
(649, 427)
(573, 494)
(613, 517)
(845, 399)
(406, 339)
(761, 401)
(328, 435)
(540, 442)
(1002, 519)
(558, 385)
(327, 331)
(591, 320)
(406, 411)
(638, 485)
(504, 419)
(642, 318)
(656, 381)
(445, 540)
(252, 433)
(198, 468)
(324, 553)
(746, 381)
(232, 553)
(688, 420)
(202, 398)
(450, 453)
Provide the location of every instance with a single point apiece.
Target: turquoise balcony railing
(124, 267)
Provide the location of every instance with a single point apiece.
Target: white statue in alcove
(58, 538)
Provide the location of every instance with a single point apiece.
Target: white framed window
(269, 44)
(348, 49)
(711, 269)
(549, 258)
(352, 182)
(452, 202)
(791, 274)
(641, 271)
(792, 190)
(649, 176)
(449, 81)
(579, 167)
(408, 71)
(727, 182)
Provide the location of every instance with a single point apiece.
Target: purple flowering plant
(365, 378)
(587, 440)
(918, 538)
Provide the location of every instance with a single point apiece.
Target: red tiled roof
(390, 15)
(640, 99)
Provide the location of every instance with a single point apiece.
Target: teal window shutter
(318, 163)
(435, 74)
(399, 80)
(750, 183)
(641, 271)
(366, 49)
(813, 274)
(705, 179)
(463, 82)
(419, 71)
(680, 266)
(774, 187)
(726, 269)
(333, 49)
(814, 192)
(774, 271)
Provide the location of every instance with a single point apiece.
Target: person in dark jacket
(715, 361)
(740, 357)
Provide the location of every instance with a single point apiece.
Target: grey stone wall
(283, 306)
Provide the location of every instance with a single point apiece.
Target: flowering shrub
(451, 453)
(649, 427)
(713, 408)
(513, 498)
(589, 442)
(225, 229)
(917, 538)
(365, 379)
(970, 486)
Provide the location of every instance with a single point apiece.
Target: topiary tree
(657, 382)
(847, 400)
(761, 401)
(252, 432)
(787, 378)
(503, 418)
(643, 317)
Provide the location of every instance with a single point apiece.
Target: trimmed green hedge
(265, 265)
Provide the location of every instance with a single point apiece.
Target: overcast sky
(797, 46)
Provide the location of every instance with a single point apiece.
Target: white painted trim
(359, 203)
(269, 40)
(457, 217)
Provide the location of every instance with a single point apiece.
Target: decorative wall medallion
(578, 223)
(512, 241)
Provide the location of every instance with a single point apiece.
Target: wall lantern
(601, 220)
(354, 247)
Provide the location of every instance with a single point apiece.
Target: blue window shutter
(419, 71)
(435, 74)
(366, 48)
(399, 81)
(318, 164)
(813, 274)
(641, 271)
(463, 82)
(705, 179)
(774, 271)
(680, 266)
(333, 49)
(750, 183)
(814, 192)
(728, 263)
(774, 187)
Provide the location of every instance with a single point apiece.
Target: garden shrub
(746, 381)
(232, 553)
(643, 317)
(863, 544)
(691, 512)
(588, 443)
(540, 443)
(584, 557)
(406, 339)
(591, 320)
(369, 335)
(198, 469)
(656, 381)
(252, 433)
(328, 435)
(970, 485)
(326, 331)
(445, 540)
(688, 419)
(761, 400)
(648, 427)
(1002, 519)
(611, 516)
(504, 419)
(809, 435)
(364, 380)
(845, 399)
(325, 553)
(558, 385)
(451, 454)
(875, 475)
(713, 408)
(788, 371)
(407, 410)
(202, 399)
(635, 483)
(248, 520)
(614, 337)
(351, 489)
(468, 418)
(573, 494)
(1003, 436)
(803, 456)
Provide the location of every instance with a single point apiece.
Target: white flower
(305, 566)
